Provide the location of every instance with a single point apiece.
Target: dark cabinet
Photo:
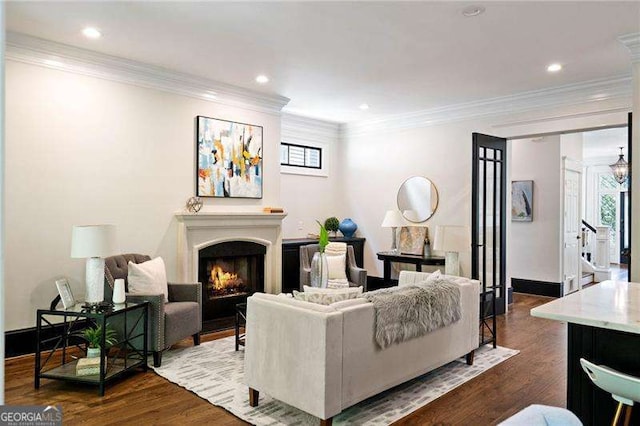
(291, 258)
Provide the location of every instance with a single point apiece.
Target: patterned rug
(215, 371)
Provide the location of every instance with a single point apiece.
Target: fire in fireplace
(225, 281)
(229, 272)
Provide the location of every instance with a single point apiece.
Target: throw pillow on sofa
(148, 277)
(325, 296)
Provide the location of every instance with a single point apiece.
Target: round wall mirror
(417, 199)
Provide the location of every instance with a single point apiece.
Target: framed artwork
(522, 201)
(411, 240)
(229, 159)
(64, 290)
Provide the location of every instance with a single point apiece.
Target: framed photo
(229, 159)
(65, 293)
(412, 240)
(522, 201)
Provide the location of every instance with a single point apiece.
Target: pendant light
(620, 168)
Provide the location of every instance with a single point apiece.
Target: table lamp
(452, 240)
(393, 219)
(93, 242)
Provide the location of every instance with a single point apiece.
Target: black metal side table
(241, 321)
(130, 320)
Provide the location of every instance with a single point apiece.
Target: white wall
(373, 164)
(307, 198)
(81, 150)
(534, 247)
(571, 146)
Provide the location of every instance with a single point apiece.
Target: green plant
(332, 224)
(324, 237)
(93, 336)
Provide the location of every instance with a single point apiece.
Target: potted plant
(93, 337)
(332, 224)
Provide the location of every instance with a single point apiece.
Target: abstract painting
(522, 201)
(229, 159)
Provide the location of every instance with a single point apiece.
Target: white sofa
(323, 359)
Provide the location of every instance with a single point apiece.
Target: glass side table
(129, 320)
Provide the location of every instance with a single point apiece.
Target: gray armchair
(168, 322)
(357, 276)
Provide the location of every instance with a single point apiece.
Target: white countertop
(614, 305)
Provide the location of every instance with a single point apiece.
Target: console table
(603, 327)
(387, 257)
(130, 321)
(291, 258)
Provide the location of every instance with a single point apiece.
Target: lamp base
(451, 263)
(394, 241)
(94, 281)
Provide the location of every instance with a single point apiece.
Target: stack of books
(88, 366)
(273, 210)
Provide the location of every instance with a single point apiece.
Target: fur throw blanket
(403, 313)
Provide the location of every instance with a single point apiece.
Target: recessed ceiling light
(91, 32)
(554, 67)
(262, 79)
(364, 107)
(210, 95)
(473, 10)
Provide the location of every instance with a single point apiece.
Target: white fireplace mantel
(199, 230)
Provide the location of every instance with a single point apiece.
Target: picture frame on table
(66, 295)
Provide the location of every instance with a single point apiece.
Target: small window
(309, 157)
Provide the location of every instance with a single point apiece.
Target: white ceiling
(605, 143)
(329, 57)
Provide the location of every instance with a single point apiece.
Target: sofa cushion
(327, 296)
(148, 278)
(293, 302)
(180, 320)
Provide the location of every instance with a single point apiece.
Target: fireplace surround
(205, 233)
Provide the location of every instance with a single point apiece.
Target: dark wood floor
(537, 375)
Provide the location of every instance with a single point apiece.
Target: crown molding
(309, 129)
(632, 42)
(588, 92)
(49, 54)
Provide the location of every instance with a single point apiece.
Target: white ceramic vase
(118, 291)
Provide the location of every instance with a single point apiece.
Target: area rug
(215, 371)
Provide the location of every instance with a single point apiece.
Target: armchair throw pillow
(337, 267)
(149, 277)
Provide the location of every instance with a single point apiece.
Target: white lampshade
(393, 219)
(452, 238)
(93, 241)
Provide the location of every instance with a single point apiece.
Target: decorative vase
(93, 352)
(118, 291)
(319, 270)
(348, 227)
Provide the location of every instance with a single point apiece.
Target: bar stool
(623, 388)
